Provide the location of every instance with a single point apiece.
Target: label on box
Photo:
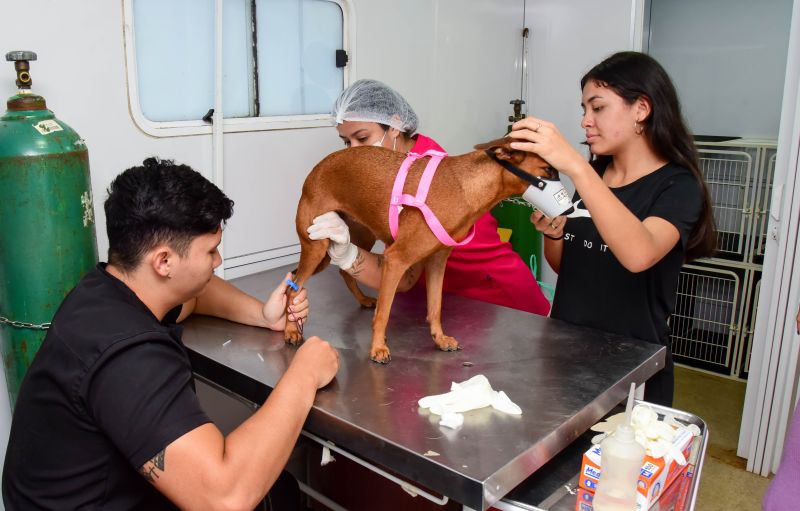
(591, 471)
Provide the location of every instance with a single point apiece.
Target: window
(279, 62)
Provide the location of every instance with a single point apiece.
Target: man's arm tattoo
(358, 264)
(411, 275)
(151, 468)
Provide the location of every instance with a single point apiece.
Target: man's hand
(204, 470)
(331, 226)
(317, 359)
(275, 306)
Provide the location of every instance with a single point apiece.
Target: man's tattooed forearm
(150, 469)
(358, 264)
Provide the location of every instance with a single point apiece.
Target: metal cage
(763, 197)
(749, 326)
(729, 176)
(717, 301)
(705, 326)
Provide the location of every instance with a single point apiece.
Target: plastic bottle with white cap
(621, 459)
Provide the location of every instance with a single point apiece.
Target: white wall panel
(394, 42)
(476, 71)
(264, 174)
(728, 61)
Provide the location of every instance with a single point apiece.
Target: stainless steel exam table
(565, 378)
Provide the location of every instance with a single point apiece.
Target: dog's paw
(368, 302)
(381, 355)
(447, 343)
(291, 335)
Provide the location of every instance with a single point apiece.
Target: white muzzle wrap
(552, 199)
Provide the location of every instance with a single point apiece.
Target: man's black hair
(160, 202)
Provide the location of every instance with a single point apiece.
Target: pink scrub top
(487, 268)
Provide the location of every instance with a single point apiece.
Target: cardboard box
(672, 499)
(654, 477)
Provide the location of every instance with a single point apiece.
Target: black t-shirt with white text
(110, 388)
(595, 290)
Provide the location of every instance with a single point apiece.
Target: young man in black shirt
(107, 416)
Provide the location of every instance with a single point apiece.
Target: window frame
(233, 124)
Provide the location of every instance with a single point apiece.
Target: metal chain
(23, 324)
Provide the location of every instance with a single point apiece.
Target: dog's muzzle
(549, 197)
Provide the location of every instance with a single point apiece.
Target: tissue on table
(469, 395)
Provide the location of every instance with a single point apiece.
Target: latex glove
(331, 226)
(658, 437)
(469, 395)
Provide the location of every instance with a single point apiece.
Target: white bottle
(620, 463)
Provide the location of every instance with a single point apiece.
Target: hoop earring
(638, 128)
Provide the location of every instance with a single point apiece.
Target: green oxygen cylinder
(47, 240)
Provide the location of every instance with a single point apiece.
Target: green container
(515, 214)
(47, 242)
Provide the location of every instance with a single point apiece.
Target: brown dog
(358, 183)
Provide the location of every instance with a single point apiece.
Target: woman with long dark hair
(642, 206)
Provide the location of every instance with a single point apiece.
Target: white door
(772, 386)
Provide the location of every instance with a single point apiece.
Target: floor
(724, 482)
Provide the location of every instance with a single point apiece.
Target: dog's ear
(500, 142)
(502, 149)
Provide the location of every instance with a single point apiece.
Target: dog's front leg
(434, 276)
(292, 330)
(313, 258)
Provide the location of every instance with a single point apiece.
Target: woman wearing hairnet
(371, 113)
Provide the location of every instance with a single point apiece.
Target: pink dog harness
(400, 199)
